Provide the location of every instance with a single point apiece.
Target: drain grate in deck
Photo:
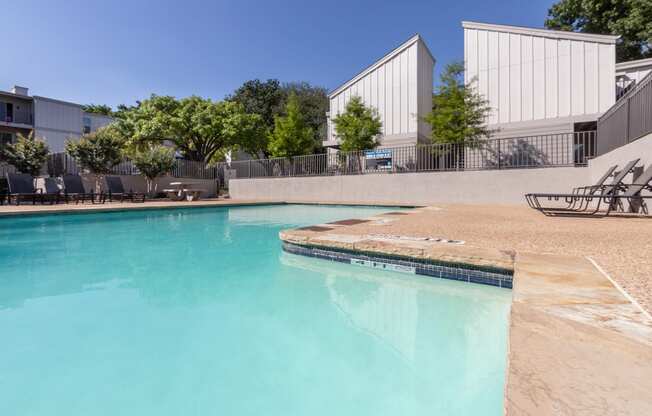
(395, 213)
(348, 222)
(316, 228)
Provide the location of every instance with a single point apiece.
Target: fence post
(629, 100)
(499, 158)
(249, 175)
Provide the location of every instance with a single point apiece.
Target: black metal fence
(61, 163)
(627, 120)
(567, 149)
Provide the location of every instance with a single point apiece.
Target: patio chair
(578, 204)
(117, 190)
(74, 190)
(605, 194)
(633, 192)
(52, 192)
(21, 186)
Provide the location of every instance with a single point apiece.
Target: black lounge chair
(117, 190)
(21, 186)
(52, 191)
(633, 196)
(74, 190)
(578, 202)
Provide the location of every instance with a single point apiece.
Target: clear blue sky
(112, 52)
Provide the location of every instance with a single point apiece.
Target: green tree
(27, 154)
(313, 101)
(630, 19)
(358, 126)
(291, 135)
(199, 128)
(152, 162)
(458, 113)
(98, 109)
(264, 98)
(98, 152)
(269, 100)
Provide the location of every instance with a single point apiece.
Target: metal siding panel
(493, 76)
(552, 78)
(472, 54)
(389, 94)
(591, 69)
(577, 78)
(381, 96)
(527, 68)
(373, 89)
(412, 108)
(482, 83)
(396, 95)
(538, 79)
(503, 70)
(607, 64)
(564, 49)
(404, 93)
(515, 91)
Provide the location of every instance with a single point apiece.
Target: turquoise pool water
(199, 312)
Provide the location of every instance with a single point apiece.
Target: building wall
(634, 70)
(56, 121)
(397, 86)
(98, 120)
(533, 74)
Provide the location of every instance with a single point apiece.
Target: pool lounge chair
(633, 196)
(74, 190)
(117, 190)
(579, 202)
(21, 186)
(52, 192)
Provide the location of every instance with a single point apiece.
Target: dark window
(6, 138)
(87, 125)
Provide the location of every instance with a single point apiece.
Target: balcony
(25, 119)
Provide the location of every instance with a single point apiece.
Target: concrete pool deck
(578, 345)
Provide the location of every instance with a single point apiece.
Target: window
(87, 125)
(6, 138)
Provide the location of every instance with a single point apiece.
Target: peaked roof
(555, 34)
(414, 39)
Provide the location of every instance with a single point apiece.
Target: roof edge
(633, 64)
(413, 39)
(555, 34)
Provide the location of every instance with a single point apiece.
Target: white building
(540, 81)
(399, 87)
(630, 73)
(54, 121)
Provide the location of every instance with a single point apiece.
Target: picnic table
(184, 190)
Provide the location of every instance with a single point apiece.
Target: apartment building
(55, 121)
(399, 87)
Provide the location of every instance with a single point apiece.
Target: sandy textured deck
(577, 344)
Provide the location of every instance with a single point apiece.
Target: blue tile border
(492, 276)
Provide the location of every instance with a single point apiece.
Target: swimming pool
(199, 312)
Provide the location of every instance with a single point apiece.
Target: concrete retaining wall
(641, 148)
(474, 187)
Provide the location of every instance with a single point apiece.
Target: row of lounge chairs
(20, 187)
(602, 198)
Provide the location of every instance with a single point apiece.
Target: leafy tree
(199, 128)
(358, 126)
(459, 113)
(291, 136)
(313, 101)
(269, 100)
(98, 109)
(264, 98)
(152, 162)
(27, 154)
(98, 152)
(630, 19)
